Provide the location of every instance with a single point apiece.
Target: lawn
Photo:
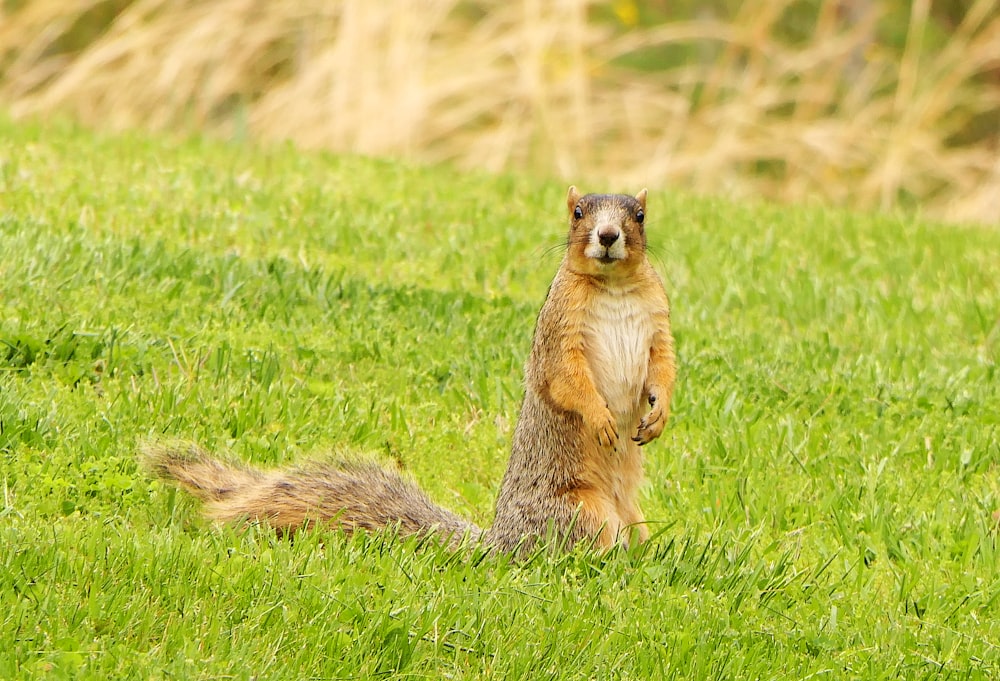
(823, 501)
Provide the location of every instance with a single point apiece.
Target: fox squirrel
(602, 351)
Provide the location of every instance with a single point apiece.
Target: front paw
(652, 423)
(605, 428)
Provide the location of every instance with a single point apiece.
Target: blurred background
(887, 105)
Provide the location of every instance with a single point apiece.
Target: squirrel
(598, 384)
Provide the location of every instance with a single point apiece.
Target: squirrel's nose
(608, 235)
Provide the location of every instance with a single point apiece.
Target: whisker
(559, 247)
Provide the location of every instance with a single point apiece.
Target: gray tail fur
(348, 495)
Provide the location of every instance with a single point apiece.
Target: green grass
(823, 498)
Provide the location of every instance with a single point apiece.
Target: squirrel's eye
(640, 216)
(578, 213)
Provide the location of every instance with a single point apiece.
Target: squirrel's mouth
(606, 255)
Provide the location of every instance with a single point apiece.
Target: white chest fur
(618, 336)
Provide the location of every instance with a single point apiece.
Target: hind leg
(634, 528)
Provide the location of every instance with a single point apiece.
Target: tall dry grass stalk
(539, 85)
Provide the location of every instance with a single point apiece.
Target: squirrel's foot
(651, 424)
(606, 430)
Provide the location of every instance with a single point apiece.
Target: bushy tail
(349, 495)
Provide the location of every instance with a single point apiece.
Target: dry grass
(541, 86)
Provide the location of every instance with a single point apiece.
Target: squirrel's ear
(572, 198)
(641, 198)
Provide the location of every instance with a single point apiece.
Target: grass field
(823, 500)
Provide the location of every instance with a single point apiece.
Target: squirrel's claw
(650, 426)
(607, 431)
(607, 435)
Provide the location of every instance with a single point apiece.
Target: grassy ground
(824, 496)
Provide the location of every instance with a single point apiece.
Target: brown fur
(353, 495)
(601, 353)
(576, 444)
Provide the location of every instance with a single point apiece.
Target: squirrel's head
(606, 232)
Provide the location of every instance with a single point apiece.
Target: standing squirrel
(601, 353)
